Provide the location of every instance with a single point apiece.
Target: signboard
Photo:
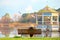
(26, 31)
(30, 31)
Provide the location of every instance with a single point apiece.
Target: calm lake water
(50, 34)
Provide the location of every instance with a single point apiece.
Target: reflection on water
(55, 34)
(50, 34)
(1, 35)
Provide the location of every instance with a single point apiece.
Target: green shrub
(17, 36)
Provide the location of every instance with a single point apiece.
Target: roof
(47, 9)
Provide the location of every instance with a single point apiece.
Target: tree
(28, 18)
(24, 15)
(59, 18)
(6, 30)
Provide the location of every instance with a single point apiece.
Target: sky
(25, 6)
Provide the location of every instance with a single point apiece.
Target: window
(47, 18)
(47, 14)
(54, 18)
(39, 18)
(39, 22)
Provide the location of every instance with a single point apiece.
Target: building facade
(48, 18)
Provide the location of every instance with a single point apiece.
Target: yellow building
(48, 18)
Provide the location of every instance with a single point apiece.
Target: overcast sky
(25, 6)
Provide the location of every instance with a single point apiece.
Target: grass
(34, 38)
